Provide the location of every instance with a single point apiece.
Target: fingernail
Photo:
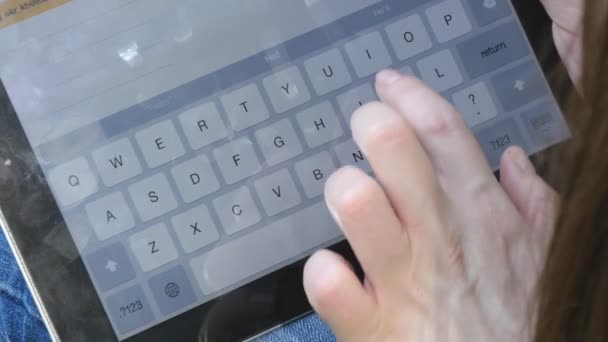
(521, 161)
(387, 77)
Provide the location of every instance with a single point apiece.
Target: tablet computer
(162, 162)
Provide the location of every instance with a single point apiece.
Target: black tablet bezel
(65, 293)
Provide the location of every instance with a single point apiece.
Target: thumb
(567, 16)
(535, 200)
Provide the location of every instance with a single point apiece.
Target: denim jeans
(20, 320)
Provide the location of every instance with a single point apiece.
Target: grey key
(278, 142)
(519, 86)
(545, 125)
(117, 162)
(129, 309)
(349, 153)
(237, 210)
(153, 197)
(237, 160)
(355, 98)
(475, 104)
(489, 11)
(153, 247)
(449, 20)
(493, 49)
(277, 192)
(203, 125)
(407, 70)
(496, 139)
(328, 72)
(172, 290)
(73, 181)
(286, 89)
(314, 171)
(195, 229)
(245, 107)
(160, 144)
(440, 71)
(368, 54)
(409, 37)
(265, 248)
(110, 216)
(110, 267)
(195, 179)
(319, 124)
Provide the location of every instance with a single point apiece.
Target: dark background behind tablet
(64, 286)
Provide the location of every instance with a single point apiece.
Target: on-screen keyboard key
(350, 154)
(475, 104)
(153, 247)
(493, 49)
(110, 216)
(319, 124)
(203, 125)
(354, 98)
(519, 86)
(278, 142)
(153, 197)
(237, 160)
(368, 54)
(237, 210)
(277, 192)
(497, 139)
(117, 162)
(328, 72)
(314, 171)
(440, 71)
(73, 181)
(195, 229)
(160, 143)
(409, 37)
(449, 20)
(245, 107)
(287, 89)
(489, 11)
(195, 179)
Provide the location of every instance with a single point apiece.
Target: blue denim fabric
(20, 320)
(19, 317)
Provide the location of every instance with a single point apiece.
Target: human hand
(448, 253)
(567, 16)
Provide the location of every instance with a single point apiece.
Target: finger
(369, 223)
(454, 152)
(567, 18)
(336, 294)
(536, 201)
(399, 162)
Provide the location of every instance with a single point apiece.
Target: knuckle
(441, 123)
(544, 203)
(389, 131)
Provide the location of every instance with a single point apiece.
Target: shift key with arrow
(110, 266)
(519, 86)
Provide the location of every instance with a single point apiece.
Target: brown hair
(574, 288)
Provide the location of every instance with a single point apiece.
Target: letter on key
(72, 182)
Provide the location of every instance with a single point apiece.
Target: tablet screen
(187, 142)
